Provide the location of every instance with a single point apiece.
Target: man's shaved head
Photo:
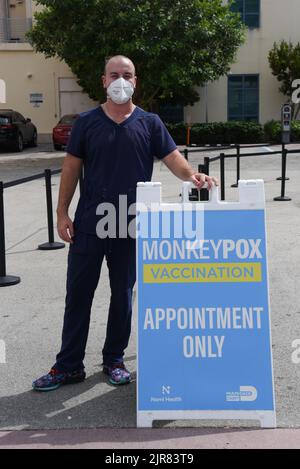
(116, 67)
(118, 60)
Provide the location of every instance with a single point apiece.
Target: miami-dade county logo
(166, 391)
(245, 394)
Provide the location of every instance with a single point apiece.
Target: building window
(243, 98)
(14, 20)
(249, 11)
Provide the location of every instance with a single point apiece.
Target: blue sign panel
(203, 313)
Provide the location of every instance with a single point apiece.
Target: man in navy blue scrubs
(116, 144)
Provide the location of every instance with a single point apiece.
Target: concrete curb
(163, 439)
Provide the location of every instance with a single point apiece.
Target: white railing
(14, 29)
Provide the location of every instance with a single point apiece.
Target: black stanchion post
(283, 197)
(203, 194)
(51, 244)
(238, 161)
(280, 177)
(204, 168)
(222, 175)
(186, 154)
(206, 165)
(5, 280)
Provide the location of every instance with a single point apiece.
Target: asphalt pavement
(31, 315)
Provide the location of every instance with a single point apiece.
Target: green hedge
(227, 132)
(296, 131)
(218, 133)
(272, 131)
(232, 132)
(178, 132)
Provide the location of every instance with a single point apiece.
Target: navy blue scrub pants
(84, 265)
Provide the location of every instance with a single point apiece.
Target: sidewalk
(160, 439)
(31, 316)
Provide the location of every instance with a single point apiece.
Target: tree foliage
(175, 44)
(284, 60)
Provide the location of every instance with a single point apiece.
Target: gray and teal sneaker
(117, 373)
(55, 378)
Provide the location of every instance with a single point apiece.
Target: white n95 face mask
(120, 91)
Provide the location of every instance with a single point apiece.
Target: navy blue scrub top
(116, 157)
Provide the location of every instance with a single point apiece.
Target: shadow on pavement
(111, 436)
(84, 413)
(114, 438)
(84, 405)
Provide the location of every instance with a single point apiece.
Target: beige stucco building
(39, 88)
(275, 20)
(45, 89)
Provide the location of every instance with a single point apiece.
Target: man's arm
(70, 174)
(178, 165)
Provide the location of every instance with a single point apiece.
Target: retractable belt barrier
(203, 335)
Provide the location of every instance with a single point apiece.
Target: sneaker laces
(54, 372)
(118, 365)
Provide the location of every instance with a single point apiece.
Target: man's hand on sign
(181, 168)
(65, 228)
(199, 179)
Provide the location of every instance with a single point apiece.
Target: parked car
(16, 131)
(62, 131)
